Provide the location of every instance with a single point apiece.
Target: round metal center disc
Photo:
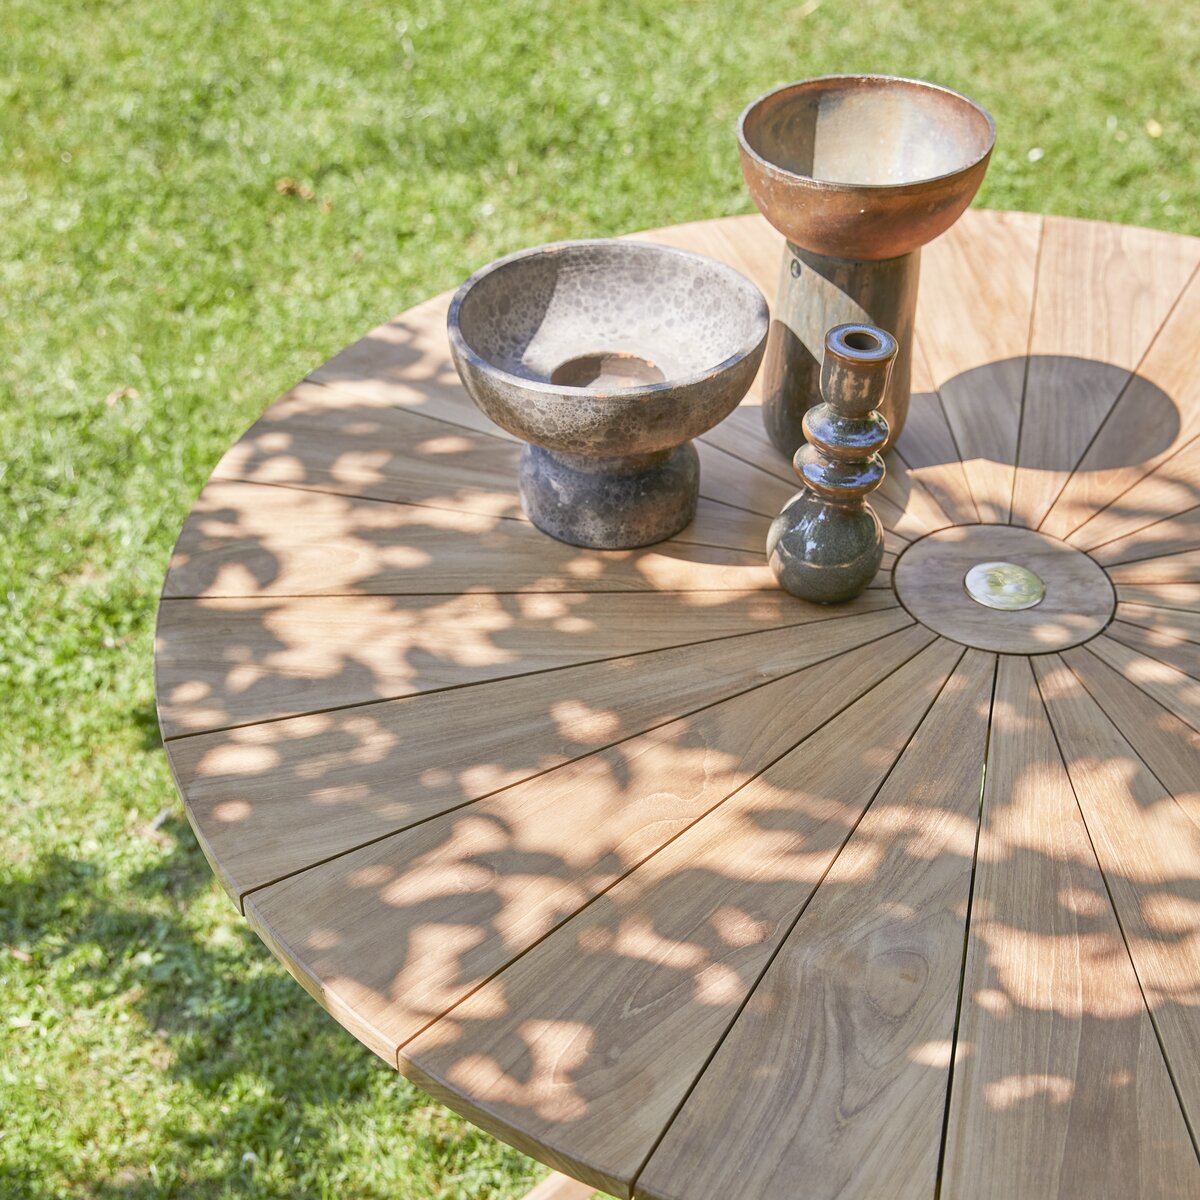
(1004, 585)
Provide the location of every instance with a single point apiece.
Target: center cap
(1004, 585)
(1004, 588)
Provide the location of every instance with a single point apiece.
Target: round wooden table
(691, 889)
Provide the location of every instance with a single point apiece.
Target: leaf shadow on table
(566, 819)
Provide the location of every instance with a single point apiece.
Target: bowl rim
(462, 348)
(832, 185)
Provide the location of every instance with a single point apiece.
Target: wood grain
(1156, 415)
(1172, 487)
(1176, 692)
(973, 324)
(1148, 846)
(271, 799)
(1182, 655)
(557, 1186)
(417, 920)
(242, 539)
(1173, 622)
(851, 1024)
(1172, 536)
(1171, 569)
(929, 582)
(1167, 745)
(1103, 291)
(641, 985)
(226, 662)
(1059, 1086)
(1184, 596)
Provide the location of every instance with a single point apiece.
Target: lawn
(200, 203)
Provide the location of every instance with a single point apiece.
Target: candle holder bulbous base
(824, 553)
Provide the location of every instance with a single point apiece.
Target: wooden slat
(1103, 291)
(269, 800)
(1165, 595)
(245, 540)
(419, 919)
(1157, 414)
(1172, 487)
(1168, 746)
(583, 1048)
(1182, 655)
(1059, 1085)
(849, 1029)
(560, 1187)
(1176, 692)
(1174, 622)
(973, 322)
(321, 439)
(234, 662)
(1148, 846)
(927, 446)
(1176, 534)
(406, 363)
(1172, 569)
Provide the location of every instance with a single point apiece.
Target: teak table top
(685, 886)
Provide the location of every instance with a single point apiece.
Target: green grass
(161, 284)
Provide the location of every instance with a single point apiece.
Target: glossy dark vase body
(817, 292)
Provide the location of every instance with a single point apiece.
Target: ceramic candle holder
(607, 358)
(857, 172)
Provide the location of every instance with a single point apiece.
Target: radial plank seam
(589, 754)
(1170, 635)
(1183, 512)
(587, 662)
(1099, 702)
(962, 968)
(791, 925)
(659, 849)
(1183, 608)
(1037, 287)
(1134, 683)
(521, 521)
(1117, 916)
(1112, 408)
(342, 389)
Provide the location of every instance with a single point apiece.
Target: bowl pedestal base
(610, 503)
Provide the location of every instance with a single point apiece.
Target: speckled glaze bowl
(607, 358)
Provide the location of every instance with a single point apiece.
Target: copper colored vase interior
(868, 131)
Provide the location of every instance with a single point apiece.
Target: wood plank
(583, 1048)
(418, 920)
(1156, 415)
(242, 539)
(319, 438)
(269, 800)
(1162, 595)
(1182, 655)
(1176, 692)
(406, 363)
(850, 1027)
(1172, 536)
(1102, 293)
(927, 446)
(1171, 569)
(1176, 623)
(1059, 1086)
(973, 324)
(1148, 845)
(235, 662)
(557, 1186)
(1167, 745)
(1172, 487)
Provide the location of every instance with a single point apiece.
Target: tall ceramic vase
(857, 172)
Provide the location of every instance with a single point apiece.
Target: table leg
(561, 1187)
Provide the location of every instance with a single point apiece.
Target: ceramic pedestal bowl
(857, 172)
(607, 358)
